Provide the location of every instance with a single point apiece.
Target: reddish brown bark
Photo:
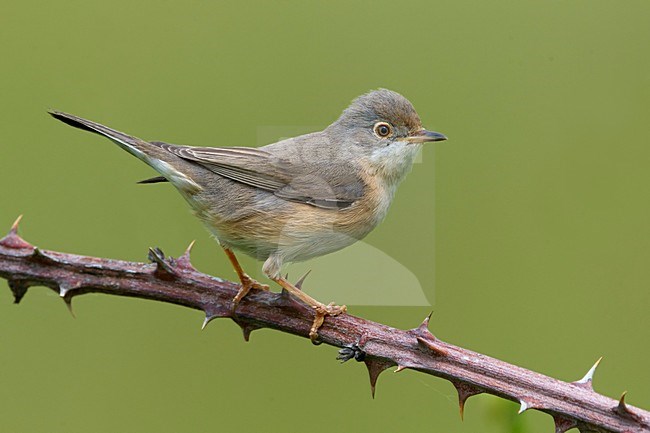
(378, 346)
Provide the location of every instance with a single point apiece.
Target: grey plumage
(284, 175)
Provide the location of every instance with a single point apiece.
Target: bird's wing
(316, 184)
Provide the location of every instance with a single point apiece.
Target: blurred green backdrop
(528, 230)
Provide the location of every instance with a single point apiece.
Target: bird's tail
(164, 162)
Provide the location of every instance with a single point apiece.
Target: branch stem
(379, 346)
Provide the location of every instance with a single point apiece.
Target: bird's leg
(320, 309)
(247, 283)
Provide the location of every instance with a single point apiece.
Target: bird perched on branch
(298, 198)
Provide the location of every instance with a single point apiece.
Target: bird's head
(382, 130)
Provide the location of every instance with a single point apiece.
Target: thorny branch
(572, 405)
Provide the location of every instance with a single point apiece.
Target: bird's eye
(383, 129)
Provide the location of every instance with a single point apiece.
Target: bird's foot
(322, 311)
(247, 283)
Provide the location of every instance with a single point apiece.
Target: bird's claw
(322, 311)
(247, 283)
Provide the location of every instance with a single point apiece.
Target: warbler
(295, 199)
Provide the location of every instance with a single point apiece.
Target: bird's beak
(423, 136)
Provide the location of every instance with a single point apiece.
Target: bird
(295, 199)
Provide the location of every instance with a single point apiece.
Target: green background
(528, 230)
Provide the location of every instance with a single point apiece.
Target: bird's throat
(393, 162)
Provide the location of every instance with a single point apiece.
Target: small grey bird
(298, 198)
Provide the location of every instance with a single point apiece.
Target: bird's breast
(366, 213)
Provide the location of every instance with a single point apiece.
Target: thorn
(425, 322)
(247, 327)
(622, 408)
(375, 367)
(563, 425)
(66, 294)
(433, 346)
(68, 303)
(400, 368)
(163, 267)
(423, 329)
(586, 381)
(285, 298)
(207, 320)
(18, 288)
(40, 255)
(12, 240)
(524, 406)
(14, 226)
(214, 312)
(621, 402)
(184, 261)
(285, 294)
(465, 391)
(301, 280)
(63, 291)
